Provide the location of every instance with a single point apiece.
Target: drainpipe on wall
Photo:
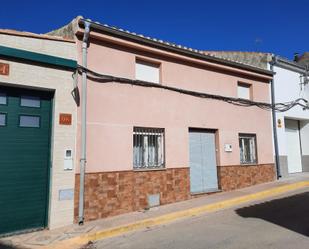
(83, 126)
(274, 117)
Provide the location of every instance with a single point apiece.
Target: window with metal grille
(247, 145)
(148, 148)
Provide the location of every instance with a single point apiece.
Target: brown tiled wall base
(113, 193)
(240, 176)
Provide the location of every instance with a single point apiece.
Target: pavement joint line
(78, 241)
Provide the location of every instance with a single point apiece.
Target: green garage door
(25, 118)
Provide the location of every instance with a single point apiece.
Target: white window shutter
(147, 72)
(243, 91)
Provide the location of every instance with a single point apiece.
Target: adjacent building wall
(304, 137)
(288, 88)
(25, 74)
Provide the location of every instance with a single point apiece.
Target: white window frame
(148, 148)
(250, 150)
(147, 71)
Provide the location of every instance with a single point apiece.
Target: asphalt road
(279, 223)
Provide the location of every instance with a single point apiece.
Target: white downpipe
(83, 126)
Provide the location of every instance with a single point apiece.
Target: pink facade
(114, 109)
(112, 186)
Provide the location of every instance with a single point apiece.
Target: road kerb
(75, 242)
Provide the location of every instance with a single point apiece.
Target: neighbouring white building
(290, 83)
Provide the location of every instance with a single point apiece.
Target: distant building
(256, 59)
(303, 59)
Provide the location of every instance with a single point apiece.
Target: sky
(276, 26)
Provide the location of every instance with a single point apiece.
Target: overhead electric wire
(279, 107)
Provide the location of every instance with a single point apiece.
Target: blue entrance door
(203, 166)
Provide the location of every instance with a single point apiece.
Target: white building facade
(293, 125)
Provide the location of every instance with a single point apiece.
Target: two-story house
(161, 122)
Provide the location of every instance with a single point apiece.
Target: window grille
(148, 148)
(247, 145)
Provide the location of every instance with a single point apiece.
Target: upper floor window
(147, 71)
(244, 91)
(247, 146)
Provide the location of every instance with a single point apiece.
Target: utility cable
(279, 107)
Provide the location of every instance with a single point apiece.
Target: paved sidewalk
(58, 238)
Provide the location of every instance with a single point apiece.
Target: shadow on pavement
(290, 212)
(4, 245)
(89, 245)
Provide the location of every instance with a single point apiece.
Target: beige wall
(114, 109)
(23, 74)
(49, 47)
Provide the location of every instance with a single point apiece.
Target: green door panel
(24, 162)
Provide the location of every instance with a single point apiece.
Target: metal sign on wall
(279, 123)
(65, 119)
(4, 69)
(66, 194)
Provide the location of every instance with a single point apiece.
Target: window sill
(249, 164)
(206, 192)
(149, 169)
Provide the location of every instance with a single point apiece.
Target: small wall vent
(153, 200)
